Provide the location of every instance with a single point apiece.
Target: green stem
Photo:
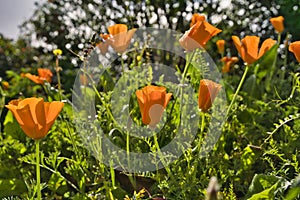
(237, 90)
(201, 129)
(202, 122)
(109, 114)
(187, 64)
(132, 181)
(273, 65)
(161, 156)
(122, 63)
(38, 173)
(286, 50)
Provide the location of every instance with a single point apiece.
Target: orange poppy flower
(221, 45)
(208, 91)
(152, 102)
(248, 48)
(277, 23)
(198, 35)
(120, 37)
(103, 45)
(43, 75)
(197, 17)
(34, 115)
(295, 49)
(228, 63)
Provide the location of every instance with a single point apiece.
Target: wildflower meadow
(158, 100)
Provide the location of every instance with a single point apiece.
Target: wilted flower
(152, 102)
(120, 37)
(248, 48)
(43, 75)
(228, 63)
(208, 91)
(277, 23)
(198, 35)
(221, 45)
(196, 18)
(295, 49)
(34, 115)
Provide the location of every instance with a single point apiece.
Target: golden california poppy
(277, 23)
(43, 75)
(120, 37)
(295, 49)
(197, 17)
(228, 63)
(34, 115)
(152, 102)
(221, 45)
(248, 48)
(208, 91)
(198, 35)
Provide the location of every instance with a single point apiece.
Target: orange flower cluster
(34, 115)
(153, 100)
(119, 38)
(43, 75)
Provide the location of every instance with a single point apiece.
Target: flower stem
(167, 168)
(201, 129)
(187, 64)
(57, 69)
(38, 173)
(122, 63)
(132, 181)
(202, 122)
(273, 65)
(237, 90)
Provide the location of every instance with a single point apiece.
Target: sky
(12, 14)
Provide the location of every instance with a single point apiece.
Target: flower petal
(277, 23)
(117, 28)
(34, 78)
(12, 106)
(238, 45)
(29, 126)
(295, 48)
(52, 110)
(266, 45)
(251, 48)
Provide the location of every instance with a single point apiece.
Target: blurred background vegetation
(69, 24)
